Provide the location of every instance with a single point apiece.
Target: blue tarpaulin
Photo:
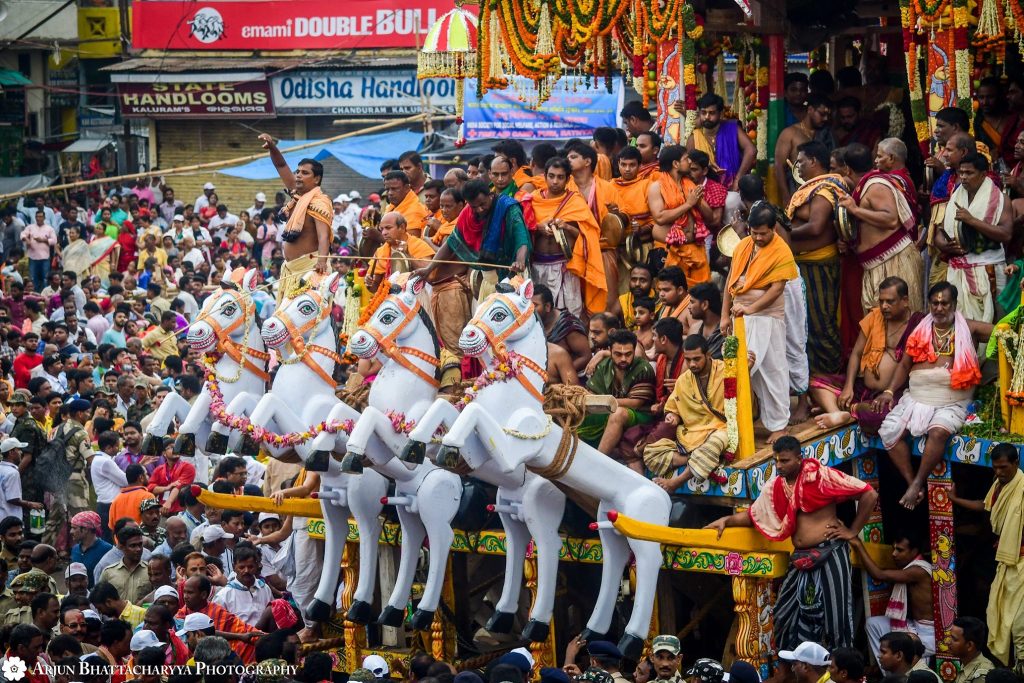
(363, 154)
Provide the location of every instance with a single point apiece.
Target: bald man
(401, 252)
(455, 179)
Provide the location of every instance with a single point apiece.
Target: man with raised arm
(307, 236)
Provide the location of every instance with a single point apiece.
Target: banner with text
(188, 99)
(282, 24)
(348, 93)
(573, 110)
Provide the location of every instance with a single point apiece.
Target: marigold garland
(732, 429)
(502, 371)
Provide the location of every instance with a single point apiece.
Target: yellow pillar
(744, 403)
(754, 629)
(543, 652)
(355, 635)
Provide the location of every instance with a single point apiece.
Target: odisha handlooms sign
(216, 99)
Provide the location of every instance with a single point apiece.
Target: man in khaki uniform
(78, 453)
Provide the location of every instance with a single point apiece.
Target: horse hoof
(249, 446)
(185, 445)
(391, 616)
(151, 445)
(318, 611)
(351, 463)
(448, 457)
(500, 622)
(588, 635)
(318, 461)
(631, 646)
(536, 631)
(217, 444)
(360, 612)
(414, 453)
(422, 620)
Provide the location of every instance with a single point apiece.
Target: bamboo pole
(180, 170)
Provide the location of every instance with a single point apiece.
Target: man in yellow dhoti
(696, 407)
(1005, 504)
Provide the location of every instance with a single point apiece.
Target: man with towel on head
(941, 363)
(307, 237)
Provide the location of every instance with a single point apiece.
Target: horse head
(504, 317)
(303, 317)
(226, 315)
(394, 323)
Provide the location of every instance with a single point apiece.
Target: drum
(846, 225)
(633, 250)
(727, 240)
(613, 227)
(966, 237)
(563, 242)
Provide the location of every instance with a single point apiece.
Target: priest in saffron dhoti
(979, 220)
(673, 198)
(941, 364)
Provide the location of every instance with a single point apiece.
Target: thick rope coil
(567, 407)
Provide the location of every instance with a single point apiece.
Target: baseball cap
(178, 218)
(742, 672)
(604, 648)
(526, 653)
(707, 671)
(209, 186)
(148, 504)
(18, 398)
(808, 653)
(91, 614)
(550, 674)
(342, 198)
(212, 534)
(9, 444)
(517, 660)
(78, 405)
(376, 665)
(165, 592)
(75, 569)
(374, 197)
(197, 621)
(260, 197)
(355, 195)
(264, 516)
(143, 639)
(666, 642)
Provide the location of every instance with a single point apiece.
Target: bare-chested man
(816, 117)
(307, 237)
(799, 502)
(873, 361)
(941, 363)
(560, 368)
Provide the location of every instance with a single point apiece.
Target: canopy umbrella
(449, 51)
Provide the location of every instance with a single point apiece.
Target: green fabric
(592, 427)
(1009, 298)
(516, 235)
(1013, 320)
(112, 231)
(510, 190)
(603, 379)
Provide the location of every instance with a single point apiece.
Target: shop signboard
(346, 93)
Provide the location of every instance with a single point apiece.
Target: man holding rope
(307, 236)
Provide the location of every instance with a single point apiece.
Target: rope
(567, 407)
(358, 397)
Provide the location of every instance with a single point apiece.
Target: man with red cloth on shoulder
(815, 602)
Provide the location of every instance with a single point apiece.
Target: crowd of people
(863, 292)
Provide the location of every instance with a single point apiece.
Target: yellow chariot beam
(300, 507)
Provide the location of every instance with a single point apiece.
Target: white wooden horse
(300, 400)
(427, 497)
(527, 504)
(505, 422)
(227, 326)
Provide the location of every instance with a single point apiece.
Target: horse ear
(250, 279)
(526, 290)
(415, 285)
(331, 283)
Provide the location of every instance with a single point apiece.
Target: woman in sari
(104, 253)
(129, 250)
(209, 211)
(75, 256)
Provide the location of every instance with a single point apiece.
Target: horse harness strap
(400, 354)
(235, 351)
(301, 348)
(497, 342)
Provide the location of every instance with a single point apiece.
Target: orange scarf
(604, 167)
(522, 176)
(873, 327)
(772, 263)
(965, 372)
(633, 197)
(586, 260)
(414, 212)
(441, 234)
(314, 203)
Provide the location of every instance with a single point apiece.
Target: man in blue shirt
(89, 548)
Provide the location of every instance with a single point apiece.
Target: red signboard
(205, 99)
(282, 24)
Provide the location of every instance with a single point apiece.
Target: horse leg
(364, 497)
(326, 443)
(272, 412)
(161, 423)
(648, 563)
(217, 444)
(334, 503)
(198, 417)
(441, 413)
(369, 439)
(544, 506)
(517, 538)
(616, 554)
(412, 540)
(475, 420)
(443, 492)
(243, 404)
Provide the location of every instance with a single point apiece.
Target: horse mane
(425, 319)
(504, 288)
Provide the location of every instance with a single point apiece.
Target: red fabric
(23, 365)
(227, 622)
(178, 654)
(715, 193)
(183, 472)
(774, 512)
(129, 250)
(471, 228)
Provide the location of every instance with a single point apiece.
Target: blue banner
(572, 111)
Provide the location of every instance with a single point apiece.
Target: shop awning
(11, 78)
(363, 154)
(88, 145)
(10, 185)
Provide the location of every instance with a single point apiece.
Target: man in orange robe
(673, 199)
(400, 250)
(402, 199)
(599, 194)
(577, 279)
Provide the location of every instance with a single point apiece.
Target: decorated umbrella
(449, 51)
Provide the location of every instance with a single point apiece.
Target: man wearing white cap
(196, 627)
(143, 639)
(377, 665)
(809, 661)
(269, 523)
(11, 504)
(215, 539)
(257, 206)
(77, 578)
(344, 218)
(203, 200)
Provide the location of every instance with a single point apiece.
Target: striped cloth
(816, 604)
(824, 351)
